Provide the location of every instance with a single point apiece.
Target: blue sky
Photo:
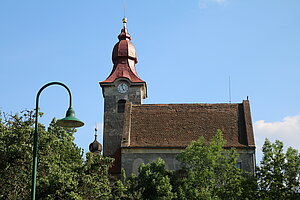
(186, 49)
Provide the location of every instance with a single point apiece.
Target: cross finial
(124, 20)
(96, 133)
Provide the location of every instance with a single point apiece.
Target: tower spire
(124, 58)
(95, 147)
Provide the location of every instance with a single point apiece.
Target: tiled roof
(124, 69)
(176, 125)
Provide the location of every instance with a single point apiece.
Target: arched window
(239, 165)
(121, 105)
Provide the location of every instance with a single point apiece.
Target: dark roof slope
(176, 125)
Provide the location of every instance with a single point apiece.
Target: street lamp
(70, 121)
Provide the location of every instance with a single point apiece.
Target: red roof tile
(176, 125)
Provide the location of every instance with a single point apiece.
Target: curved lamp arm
(68, 121)
(47, 85)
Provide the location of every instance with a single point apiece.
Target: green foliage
(154, 182)
(151, 183)
(15, 155)
(209, 171)
(249, 186)
(279, 172)
(62, 173)
(94, 178)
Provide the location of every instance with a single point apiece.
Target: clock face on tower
(122, 88)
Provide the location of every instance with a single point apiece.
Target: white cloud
(287, 131)
(204, 3)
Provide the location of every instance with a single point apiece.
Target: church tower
(121, 86)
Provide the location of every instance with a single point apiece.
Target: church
(136, 133)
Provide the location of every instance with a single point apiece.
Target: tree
(279, 173)
(209, 171)
(94, 178)
(151, 183)
(15, 156)
(62, 173)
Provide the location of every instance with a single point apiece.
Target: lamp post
(69, 121)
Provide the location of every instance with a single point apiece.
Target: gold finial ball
(124, 20)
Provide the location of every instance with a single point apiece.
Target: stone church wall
(132, 158)
(246, 160)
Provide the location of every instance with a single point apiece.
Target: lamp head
(70, 121)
